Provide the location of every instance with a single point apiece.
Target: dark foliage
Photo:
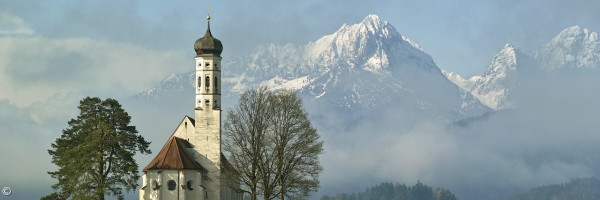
(580, 189)
(389, 191)
(94, 155)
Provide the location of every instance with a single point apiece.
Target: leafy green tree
(95, 153)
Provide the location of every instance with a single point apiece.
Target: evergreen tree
(443, 194)
(95, 153)
(580, 189)
(389, 191)
(421, 192)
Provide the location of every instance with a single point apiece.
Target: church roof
(174, 155)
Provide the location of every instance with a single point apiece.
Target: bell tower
(207, 137)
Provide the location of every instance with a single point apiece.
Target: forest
(580, 189)
(396, 191)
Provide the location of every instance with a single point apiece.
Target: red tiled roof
(174, 155)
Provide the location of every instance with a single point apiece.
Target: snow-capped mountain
(494, 86)
(465, 84)
(358, 69)
(173, 82)
(574, 47)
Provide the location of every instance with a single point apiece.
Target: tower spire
(207, 134)
(208, 45)
(208, 18)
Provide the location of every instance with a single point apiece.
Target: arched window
(216, 82)
(189, 185)
(207, 82)
(154, 185)
(171, 185)
(199, 81)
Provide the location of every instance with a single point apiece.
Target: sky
(53, 53)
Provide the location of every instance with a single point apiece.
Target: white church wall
(185, 130)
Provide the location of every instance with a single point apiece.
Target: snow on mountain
(503, 76)
(464, 84)
(491, 89)
(173, 82)
(278, 83)
(574, 47)
(360, 67)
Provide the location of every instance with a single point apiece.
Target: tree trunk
(253, 192)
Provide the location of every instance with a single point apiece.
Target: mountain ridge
(573, 48)
(360, 67)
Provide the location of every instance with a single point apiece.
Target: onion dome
(208, 45)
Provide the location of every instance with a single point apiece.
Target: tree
(245, 132)
(421, 192)
(95, 153)
(296, 147)
(443, 194)
(272, 145)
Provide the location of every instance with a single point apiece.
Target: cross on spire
(208, 17)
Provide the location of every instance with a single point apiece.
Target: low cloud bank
(550, 137)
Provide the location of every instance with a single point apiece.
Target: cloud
(43, 78)
(34, 69)
(13, 25)
(550, 138)
(23, 152)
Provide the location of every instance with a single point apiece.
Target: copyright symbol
(6, 191)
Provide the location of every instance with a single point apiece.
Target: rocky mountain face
(464, 84)
(356, 72)
(574, 48)
(494, 86)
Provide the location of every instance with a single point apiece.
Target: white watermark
(6, 191)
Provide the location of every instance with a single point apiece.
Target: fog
(550, 137)
(54, 53)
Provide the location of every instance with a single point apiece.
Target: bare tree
(272, 145)
(296, 147)
(245, 132)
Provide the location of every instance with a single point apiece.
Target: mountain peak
(573, 47)
(508, 46)
(575, 34)
(370, 25)
(491, 87)
(506, 56)
(371, 44)
(373, 20)
(571, 31)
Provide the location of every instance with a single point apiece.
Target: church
(190, 164)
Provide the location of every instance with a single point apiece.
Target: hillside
(389, 191)
(579, 189)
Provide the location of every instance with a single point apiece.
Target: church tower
(189, 165)
(207, 137)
